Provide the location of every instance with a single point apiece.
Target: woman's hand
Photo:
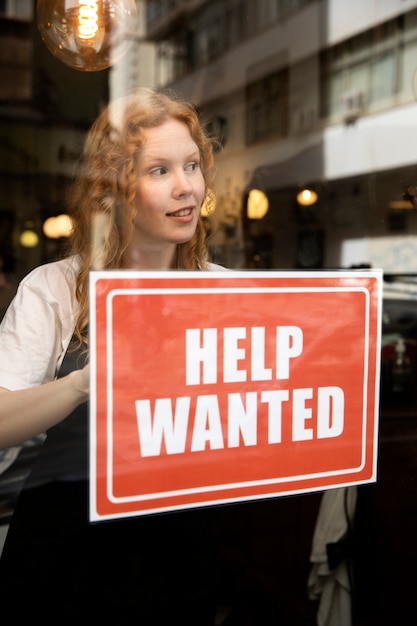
(81, 381)
(26, 413)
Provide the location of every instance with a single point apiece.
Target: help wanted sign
(215, 387)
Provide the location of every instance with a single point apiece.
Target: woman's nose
(182, 184)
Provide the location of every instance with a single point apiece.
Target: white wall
(345, 18)
(375, 142)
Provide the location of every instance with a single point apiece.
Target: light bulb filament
(87, 20)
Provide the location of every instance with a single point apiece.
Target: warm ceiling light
(56, 227)
(28, 238)
(400, 204)
(87, 35)
(205, 210)
(307, 197)
(258, 204)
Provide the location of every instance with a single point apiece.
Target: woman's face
(170, 186)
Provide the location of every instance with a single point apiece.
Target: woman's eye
(159, 171)
(193, 166)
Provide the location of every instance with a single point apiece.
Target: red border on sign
(214, 387)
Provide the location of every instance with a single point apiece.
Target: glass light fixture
(307, 197)
(258, 204)
(28, 238)
(86, 35)
(56, 227)
(400, 205)
(206, 210)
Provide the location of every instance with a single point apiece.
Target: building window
(215, 39)
(219, 26)
(236, 22)
(366, 73)
(16, 9)
(267, 107)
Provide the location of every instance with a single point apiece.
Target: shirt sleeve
(36, 329)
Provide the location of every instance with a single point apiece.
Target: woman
(147, 168)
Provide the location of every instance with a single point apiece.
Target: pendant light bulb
(87, 35)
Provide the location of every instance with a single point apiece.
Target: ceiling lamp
(307, 197)
(258, 204)
(206, 209)
(87, 36)
(56, 227)
(400, 204)
(28, 238)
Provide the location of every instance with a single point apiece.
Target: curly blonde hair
(102, 197)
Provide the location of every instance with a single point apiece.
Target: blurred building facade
(300, 93)
(303, 93)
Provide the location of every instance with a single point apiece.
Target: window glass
(363, 71)
(267, 104)
(407, 82)
(20, 9)
(383, 73)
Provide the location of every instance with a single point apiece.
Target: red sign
(215, 387)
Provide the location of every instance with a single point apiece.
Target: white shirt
(37, 327)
